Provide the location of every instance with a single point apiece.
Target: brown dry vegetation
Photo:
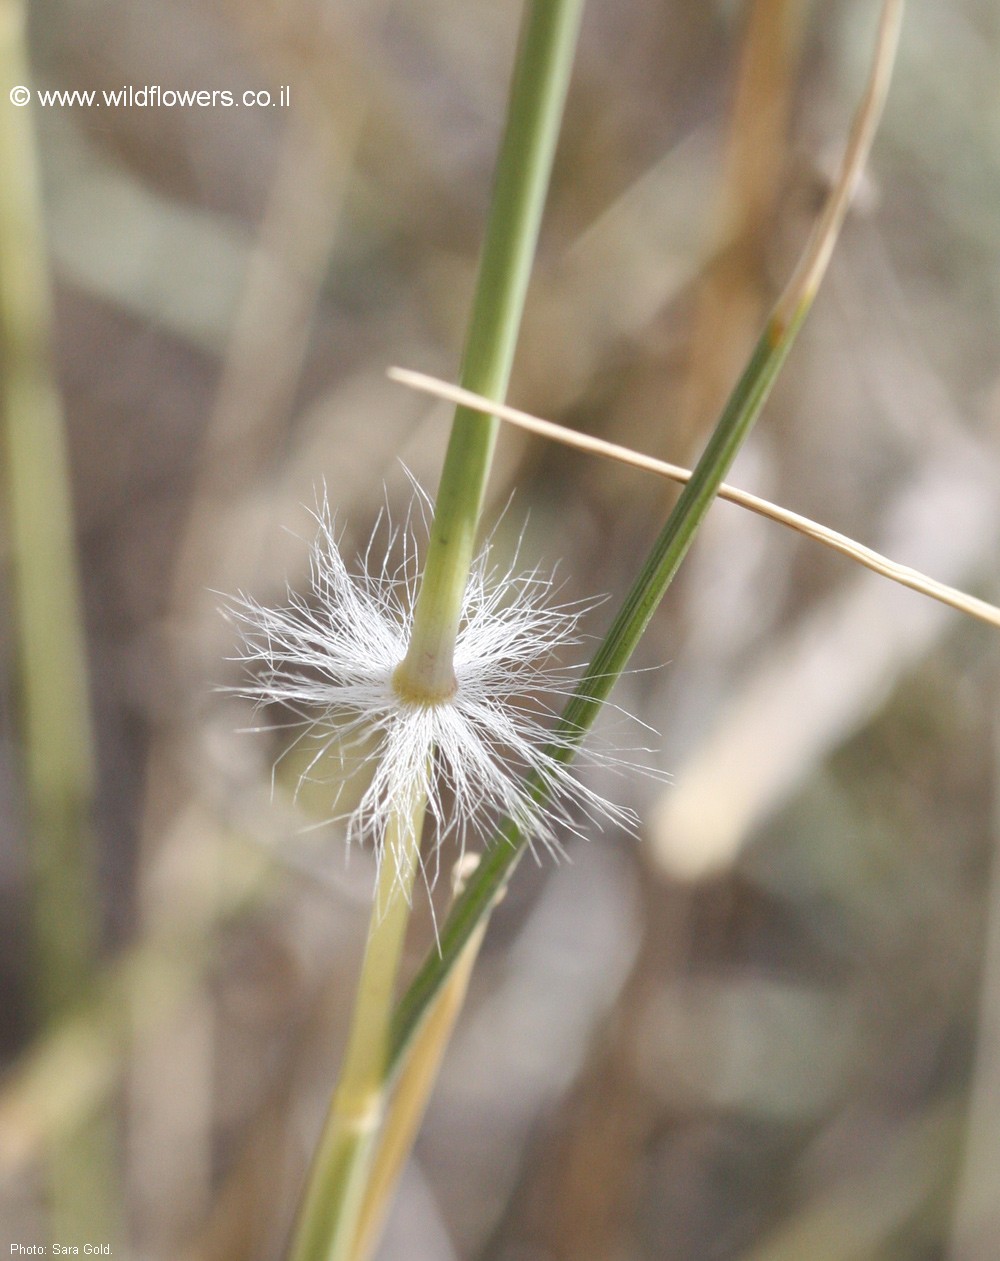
(769, 1029)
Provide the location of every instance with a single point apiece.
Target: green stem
(55, 705)
(412, 1092)
(328, 1220)
(328, 1223)
(55, 727)
(735, 423)
(537, 96)
(661, 565)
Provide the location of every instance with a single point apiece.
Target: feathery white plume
(330, 660)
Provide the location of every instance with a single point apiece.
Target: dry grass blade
(416, 1081)
(805, 282)
(866, 556)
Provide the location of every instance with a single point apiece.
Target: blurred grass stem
(54, 702)
(731, 293)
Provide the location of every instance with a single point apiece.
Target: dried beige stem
(801, 289)
(866, 556)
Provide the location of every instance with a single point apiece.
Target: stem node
(429, 679)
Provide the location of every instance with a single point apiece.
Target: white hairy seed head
(332, 659)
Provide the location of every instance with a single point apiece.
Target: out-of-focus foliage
(768, 1029)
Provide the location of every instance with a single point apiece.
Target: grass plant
(737, 419)
(346, 1192)
(329, 1220)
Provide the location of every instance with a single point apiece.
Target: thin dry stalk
(855, 551)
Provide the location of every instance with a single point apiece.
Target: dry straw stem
(811, 269)
(338, 1180)
(858, 552)
(415, 1083)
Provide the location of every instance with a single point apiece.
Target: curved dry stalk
(855, 551)
(808, 275)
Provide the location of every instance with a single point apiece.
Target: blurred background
(769, 1027)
